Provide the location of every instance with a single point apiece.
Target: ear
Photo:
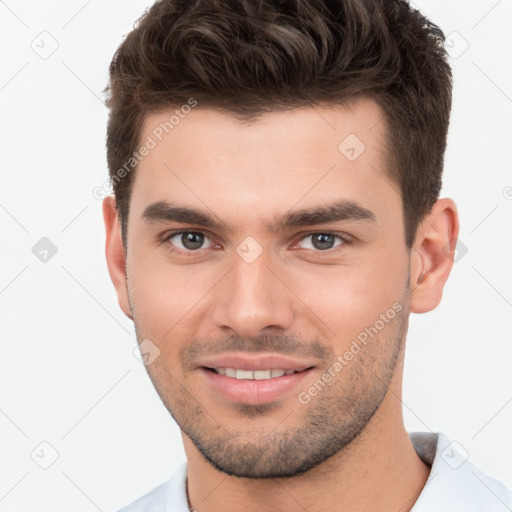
(114, 251)
(432, 255)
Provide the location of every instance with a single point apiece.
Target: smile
(253, 386)
(252, 374)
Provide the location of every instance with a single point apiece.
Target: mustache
(270, 343)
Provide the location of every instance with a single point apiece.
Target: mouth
(240, 374)
(254, 387)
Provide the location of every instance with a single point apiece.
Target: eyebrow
(343, 210)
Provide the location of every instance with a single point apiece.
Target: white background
(68, 374)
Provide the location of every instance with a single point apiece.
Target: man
(276, 169)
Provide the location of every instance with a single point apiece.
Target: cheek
(349, 298)
(164, 294)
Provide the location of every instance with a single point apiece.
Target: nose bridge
(252, 297)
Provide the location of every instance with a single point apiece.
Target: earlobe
(432, 255)
(114, 252)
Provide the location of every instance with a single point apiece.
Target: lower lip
(253, 392)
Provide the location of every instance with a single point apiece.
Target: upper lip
(254, 362)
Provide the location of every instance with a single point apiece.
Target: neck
(378, 470)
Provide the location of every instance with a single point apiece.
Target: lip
(253, 392)
(255, 362)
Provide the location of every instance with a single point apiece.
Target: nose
(253, 297)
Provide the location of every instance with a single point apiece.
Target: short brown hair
(247, 57)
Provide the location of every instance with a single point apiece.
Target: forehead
(284, 131)
(280, 160)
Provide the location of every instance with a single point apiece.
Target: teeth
(244, 374)
(262, 374)
(253, 374)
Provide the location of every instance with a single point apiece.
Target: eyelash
(344, 239)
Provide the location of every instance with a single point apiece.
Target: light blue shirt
(454, 484)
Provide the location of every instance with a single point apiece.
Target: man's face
(238, 293)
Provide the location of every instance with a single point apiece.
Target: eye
(188, 241)
(323, 241)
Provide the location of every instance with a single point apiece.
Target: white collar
(454, 484)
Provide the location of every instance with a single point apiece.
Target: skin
(347, 448)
